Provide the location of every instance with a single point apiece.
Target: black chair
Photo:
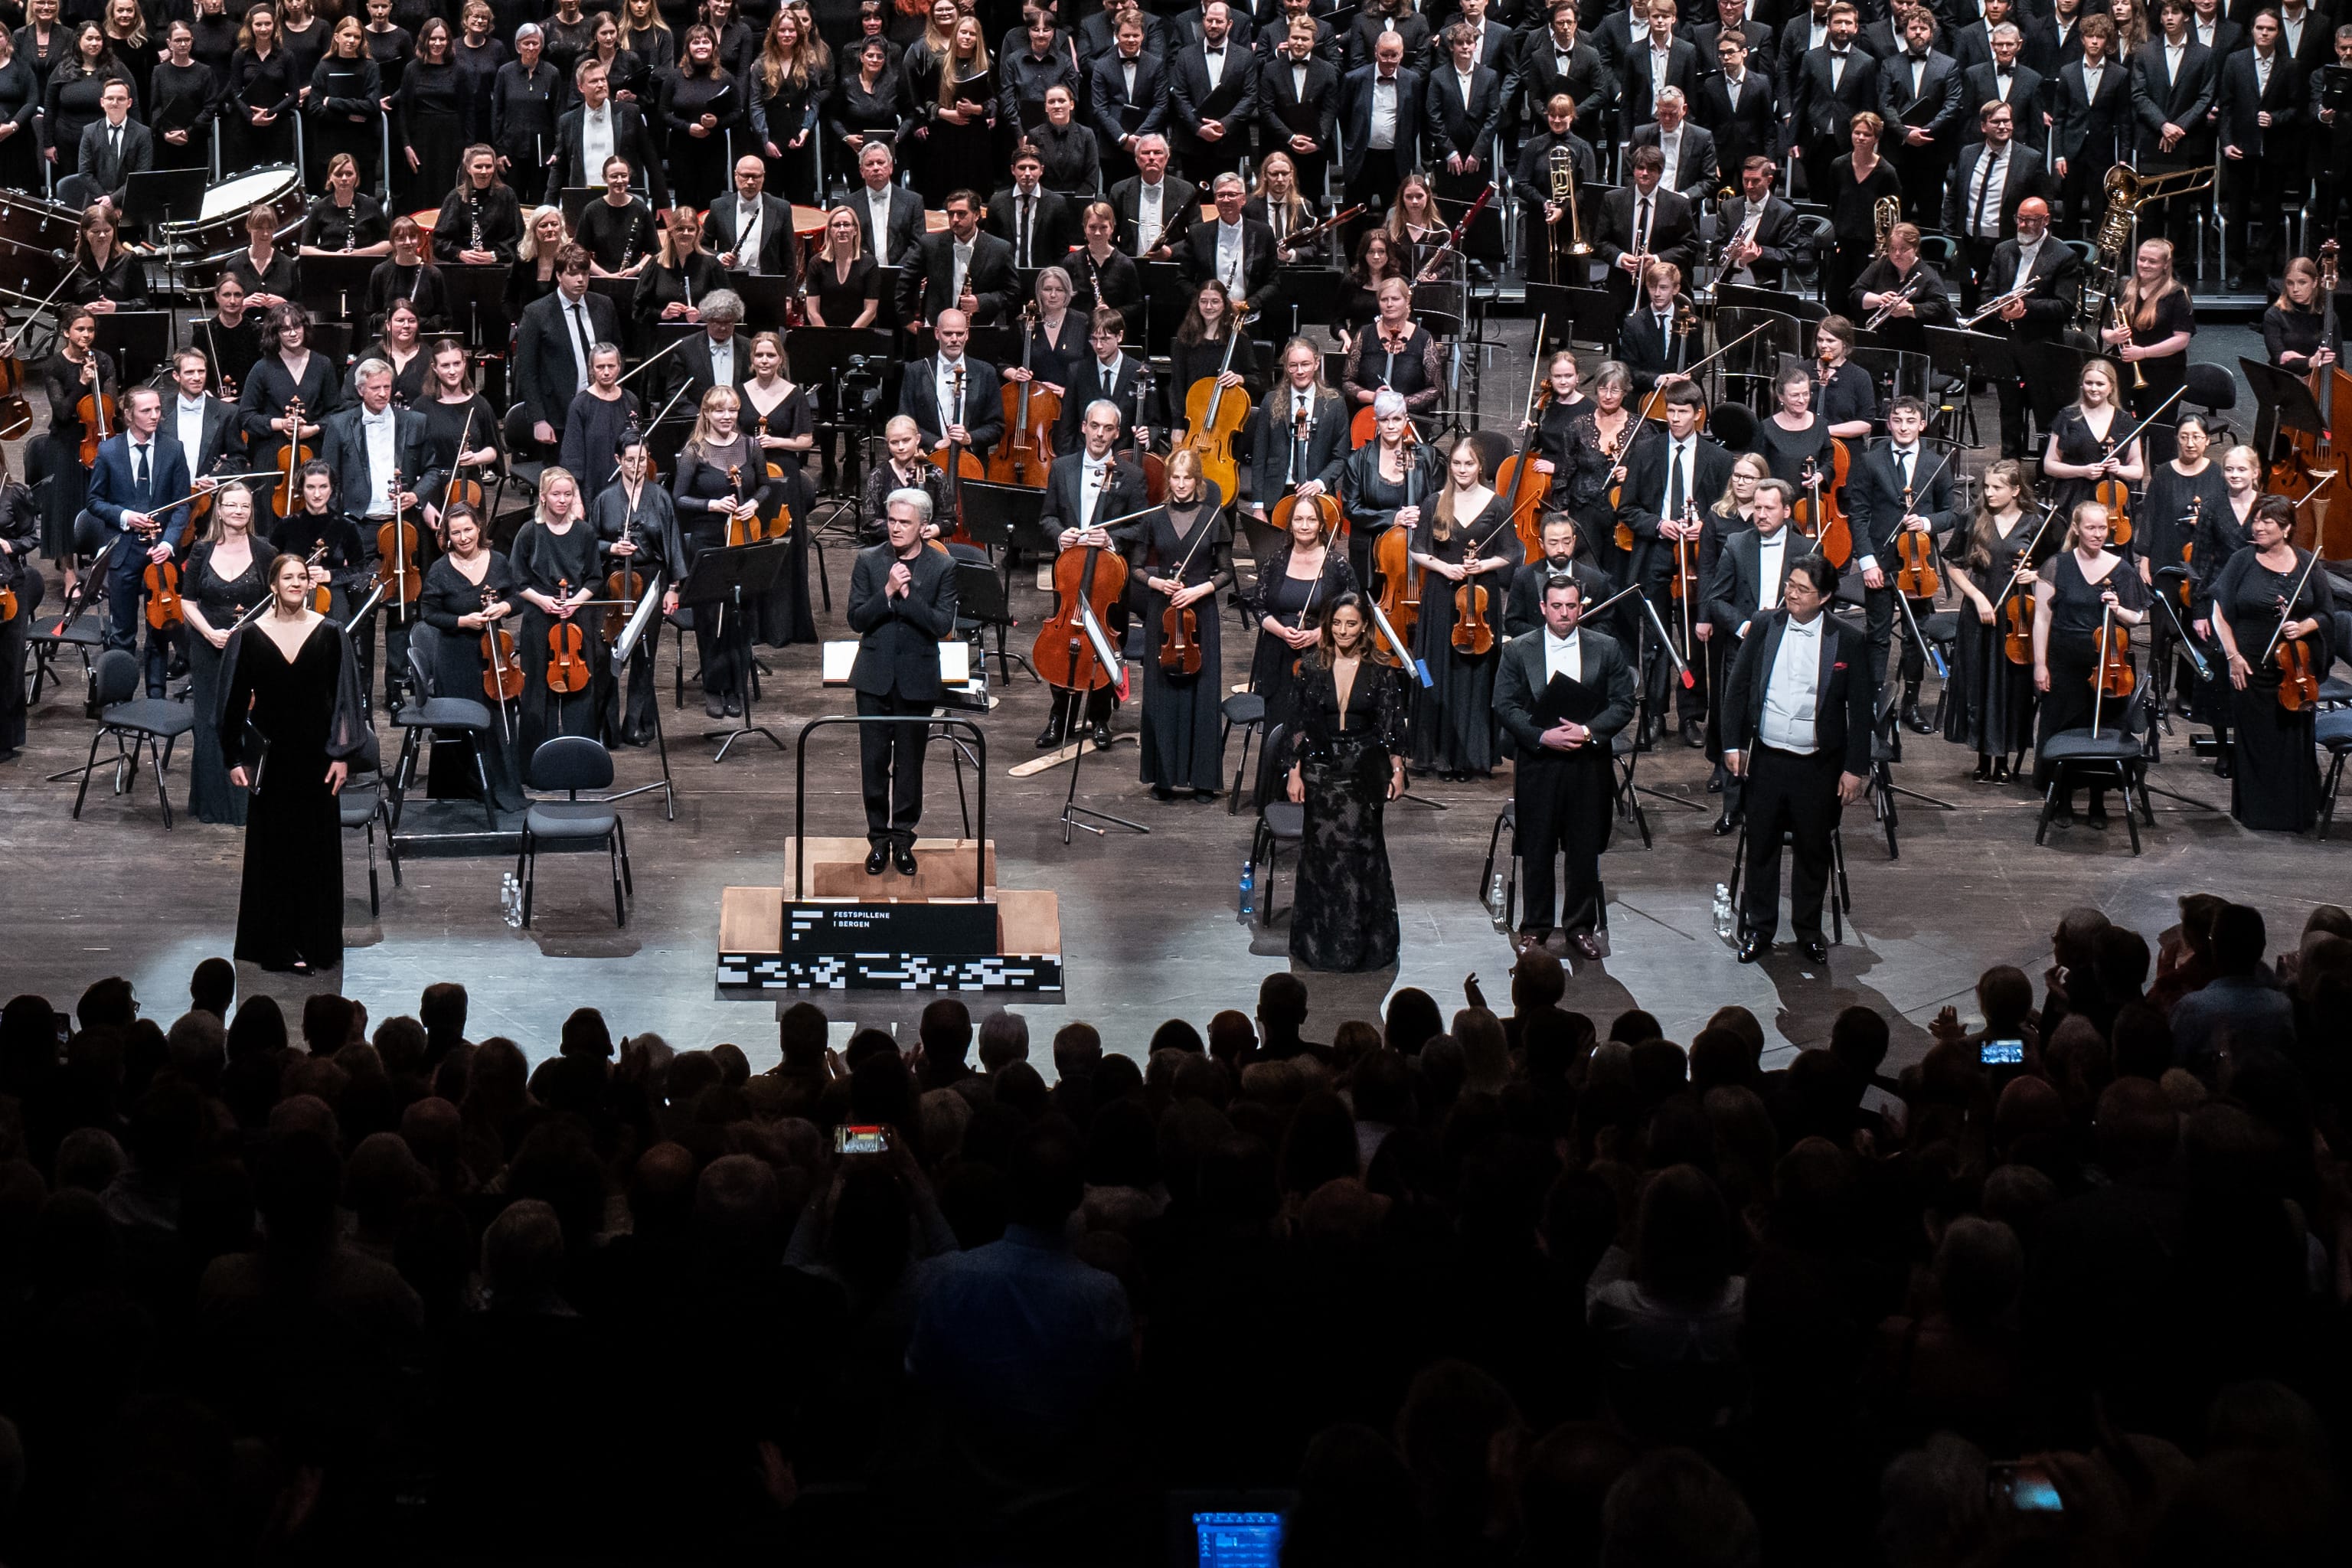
(1506, 821)
(1280, 820)
(2333, 732)
(86, 636)
(2211, 391)
(2118, 757)
(1885, 751)
(1625, 750)
(1245, 711)
(1733, 424)
(149, 724)
(572, 763)
(440, 715)
(524, 465)
(1841, 896)
(1942, 631)
(1494, 446)
(365, 802)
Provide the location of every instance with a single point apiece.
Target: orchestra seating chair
(439, 714)
(1942, 631)
(1506, 821)
(1841, 895)
(1625, 750)
(1495, 447)
(365, 802)
(1733, 424)
(1885, 751)
(521, 468)
(2115, 758)
(1281, 822)
(2211, 391)
(86, 636)
(572, 763)
(2334, 732)
(1246, 711)
(149, 724)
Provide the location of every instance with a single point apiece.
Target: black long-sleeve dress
(1295, 602)
(270, 386)
(473, 422)
(785, 616)
(428, 120)
(1191, 363)
(551, 562)
(1369, 499)
(57, 455)
(1343, 911)
(592, 434)
(123, 279)
(20, 105)
(70, 106)
(2274, 779)
(1590, 462)
(183, 98)
(942, 156)
(2079, 445)
(1414, 370)
(20, 530)
(1114, 282)
(2162, 526)
(220, 600)
(1454, 717)
(1182, 720)
(2076, 611)
(457, 672)
(418, 283)
(330, 226)
(258, 83)
(787, 109)
(699, 164)
(522, 117)
(1850, 202)
(290, 908)
(701, 478)
(1991, 706)
(476, 69)
(1785, 452)
(344, 117)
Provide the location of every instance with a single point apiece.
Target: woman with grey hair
(524, 100)
(1384, 483)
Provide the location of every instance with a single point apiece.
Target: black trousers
(890, 762)
(1560, 798)
(1377, 175)
(1787, 793)
(632, 718)
(2258, 192)
(395, 649)
(1886, 626)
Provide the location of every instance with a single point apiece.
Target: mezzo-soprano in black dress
(1344, 915)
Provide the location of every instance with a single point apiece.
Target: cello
(1025, 455)
(1155, 471)
(396, 543)
(567, 663)
(1511, 478)
(1087, 580)
(1400, 600)
(1214, 415)
(956, 461)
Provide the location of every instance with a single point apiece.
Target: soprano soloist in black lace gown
(1344, 914)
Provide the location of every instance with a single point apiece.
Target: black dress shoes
(1050, 736)
(1102, 737)
(876, 859)
(1816, 950)
(1693, 734)
(1754, 945)
(1916, 721)
(903, 857)
(734, 706)
(1727, 822)
(1580, 942)
(714, 705)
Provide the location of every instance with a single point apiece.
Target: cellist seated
(955, 400)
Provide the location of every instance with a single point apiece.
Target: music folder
(840, 656)
(1221, 98)
(1570, 700)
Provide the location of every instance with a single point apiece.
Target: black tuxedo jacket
(1674, 234)
(2091, 131)
(631, 140)
(2317, 45)
(2027, 99)
(1189, 91)
(906, 224)
(2024, 177)
(1635, 87)
(695, 367)
(1617, 39)
(1114, 114)
(1763, 52)
(97, 162)
(1587, 79)
(1179, 206)
(927, 283)
(1874, 500)
(1456, 127)
(2183, 101)
(1845, 694)
(1780, 234)
(1497, 47)
(1198, 256)
(779, 248)
(1735, 591)
(899, 636)
(983, 402)
(1523, 602)
(1694, 174)
(224, 440)
(546, 378)
(1643, 495)
(1936, 107)
(2243, 99)
(1283, 111)
(1520, 683)
(2057, 277)
(1356, 117)
(1649, 351)
(1087, 386)
(1750, 129)
(1053, 227)
(2045, 50)
(1122, 493)
(1818, 110)
(1327, 443)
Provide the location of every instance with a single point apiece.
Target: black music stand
(886, 285)
(1749, 296)
(1957, 351)
(334, 286)
(996, 515)
(2051, 372)
(1591, 314)
(155, 197)
(821, 357)
(983, 599)
(574, 202)
(137, 338)
(2283, 401)
(1312, 295)
(765, 296)
(477, 304)
(731, 579)
(1164, 297)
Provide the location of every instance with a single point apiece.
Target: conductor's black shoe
(1102, 737)
(1727, 822)
(734, 706)
(876, 859)
(1753, 946)
(1582, 943)
(1916, 720)
(714, 705)
(903, 857)
(1816, 950)
(1050, 736)
(1693, 734)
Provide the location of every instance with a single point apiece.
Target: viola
(567, 664)
(742, 526)
(95, 409)
(395, 544)
(1085, 576)
(163, 610)
(1836, 534)
(627, 586)
(1025, 455)
(501, 674)
(2188, 543)
(1214, 415)
(2115, 496)
(286, 495)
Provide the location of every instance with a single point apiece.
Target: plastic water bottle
(1494, 890)
(1722, 912)
(1249, 888)
(510, 900)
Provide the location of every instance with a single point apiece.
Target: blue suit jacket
(112, 490)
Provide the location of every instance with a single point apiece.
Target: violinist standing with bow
(1990, 706)
(138, 471)
(636, 523)
(2081, 590)
(1186, 550)
(1465, 546)
(556, 556)
(1084, 490)
(902, 603)
(2276, 782)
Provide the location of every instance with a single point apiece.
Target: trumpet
(1995, 307)
(1563, 192)
(1908, 291)
(1741, 236)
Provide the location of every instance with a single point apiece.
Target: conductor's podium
(948, 928)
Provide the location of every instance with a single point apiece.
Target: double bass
(1025, 455)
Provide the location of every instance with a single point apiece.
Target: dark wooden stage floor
(1149, 923)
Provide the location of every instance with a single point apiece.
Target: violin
(163, 610)
(777, 520)
(286, 495)
(1836, 535)
(1086, 578)
(2189, 545)
(567, 664)
(1684, 583)
(501, 675)
(2115, 496)
(1916, 578)
(2115, 675)
(1473, 632)
(95, 409)
(626, 584)
(1180, 629)
(2298, 685)
(1025, 455)
(395, 544)
(2017, 600)
(1214, 415)
(459, 489)
(742, 525)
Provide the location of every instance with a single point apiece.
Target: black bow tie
(1217, 53)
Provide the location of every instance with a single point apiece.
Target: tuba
(1885, 214)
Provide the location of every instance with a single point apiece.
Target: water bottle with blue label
(1249, 888)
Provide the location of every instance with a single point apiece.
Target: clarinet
(474, 206)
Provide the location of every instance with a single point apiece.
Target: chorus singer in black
(902, 603)
(1796, 728)
(1563, 694)
(292, 717)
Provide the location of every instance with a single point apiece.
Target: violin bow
(2286, 607)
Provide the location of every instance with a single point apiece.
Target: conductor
(902, 603)
(1796, 727)
(1563, 693)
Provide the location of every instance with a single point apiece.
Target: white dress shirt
(378, 428)
(878, 204)
(748, 217)
(1215, 59)
(1678, 460)
(722, 360)
(1837, 67)
(1789, 691)
(943, 386)
(2091, 75)
(1025, 225)
(1659, 60)
(1992, 175)
(1092, 475)
(1149, 201)
(1383, 137)
(960, 250)
(1563, 656)
(596, 141)
(1771, 550)
(2172, 57)
(1229, 257)
(1670, 142)
(188, 424)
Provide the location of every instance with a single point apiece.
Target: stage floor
(1149, 925)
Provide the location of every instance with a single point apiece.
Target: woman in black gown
(787, 88)
(182, 99)
(346, 220)
(263, 92)
(555, 558)
(68, 376)
(1562, 402)
(20, 539)
(681, 274)
(776, 415)
(2075, 591)
(1297, 584)
(2077, 456)
(428, 125)
(2180, 496)
(1101, 275)
(524, 98)
(867, 99)
(468, 590)
(345, 87)
(1463, 540)
(2275, 783)
(1349, 763)
(2294, 328)
(407, 275)
(950, 144)
(20, 107)
(1198, 352)
(845, 288)
(1992, 707)
(705, 500)
(290, 677)
(1184, 555)
(593, 427)
(703, 106)
(286, 371)
(1793, 436)
(1599, 440)
(532, 277)
(227, 574)
(1383, 484)
(1859, 181)
(461, 428)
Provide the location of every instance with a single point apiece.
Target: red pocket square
(1835, 667)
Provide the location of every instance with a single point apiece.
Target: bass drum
(219, 233)
(37, 243)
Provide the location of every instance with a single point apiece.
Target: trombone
(1563, 166)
